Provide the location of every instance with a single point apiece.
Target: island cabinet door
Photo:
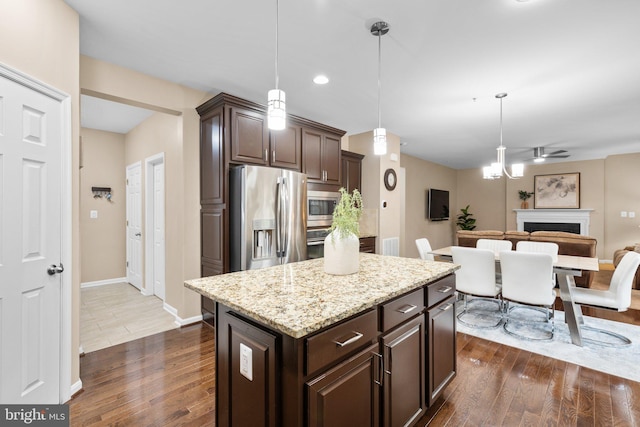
(404, 395)
(441, 349)
(347, 395)
(246, 373)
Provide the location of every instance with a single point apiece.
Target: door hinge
(127, 263)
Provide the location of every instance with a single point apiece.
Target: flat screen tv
(437, 205)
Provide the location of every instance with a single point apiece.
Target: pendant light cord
(379, 77)
(501, 122)
(277, 24)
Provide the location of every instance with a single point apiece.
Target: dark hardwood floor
(168, 380)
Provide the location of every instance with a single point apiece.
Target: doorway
(155, 226)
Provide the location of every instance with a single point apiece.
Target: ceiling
(571, 68)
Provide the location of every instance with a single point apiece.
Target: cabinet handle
(380, 370)
(351, 340)
(266, 155)
(446, 307)
(273, 155)
(407, 308)
(444, 290)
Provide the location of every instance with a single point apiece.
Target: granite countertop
(300, 298)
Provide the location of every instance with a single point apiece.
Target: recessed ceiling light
(321, 79)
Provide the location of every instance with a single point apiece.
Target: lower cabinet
(404, 368)
(347, 395)
(441, 335)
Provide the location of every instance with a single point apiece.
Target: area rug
(618, 361)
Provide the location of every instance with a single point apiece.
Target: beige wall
(182, 177)
(608, 186)
(102, 239)
(41, 39)
(422, 175)
(162, 133)
(621, 193)
(390, 218)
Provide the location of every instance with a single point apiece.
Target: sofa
(617, 257)
(568, 244)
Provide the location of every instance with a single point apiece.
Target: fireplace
(569, 220)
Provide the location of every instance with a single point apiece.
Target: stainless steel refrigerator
(268, 217)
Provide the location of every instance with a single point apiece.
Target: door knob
(138, 234)
(53, 269)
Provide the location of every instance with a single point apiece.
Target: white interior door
(134, 225)
(158, 230)
(30, 242)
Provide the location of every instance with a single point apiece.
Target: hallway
(118, 313)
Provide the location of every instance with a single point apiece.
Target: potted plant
(524, 196)
(342, 245)
(465, 220)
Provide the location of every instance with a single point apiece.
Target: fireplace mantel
(575, 216)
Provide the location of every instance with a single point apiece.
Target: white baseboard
(76, 387)
(146, 292)
(180, 321)
(103, 282)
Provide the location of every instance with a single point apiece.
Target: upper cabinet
(321, 156)
(252, 142)
(352, 171)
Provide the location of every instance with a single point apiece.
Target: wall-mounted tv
(437, 205)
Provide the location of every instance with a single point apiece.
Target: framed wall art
(557, 191)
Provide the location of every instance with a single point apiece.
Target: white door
(134, 225)
(30, 242)
(158, 230)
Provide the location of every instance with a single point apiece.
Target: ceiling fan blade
(554, 153)
(564, 156)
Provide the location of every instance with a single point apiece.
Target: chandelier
(498, 168)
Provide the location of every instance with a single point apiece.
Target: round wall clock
(390, 179)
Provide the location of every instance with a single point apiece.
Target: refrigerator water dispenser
(263, 238)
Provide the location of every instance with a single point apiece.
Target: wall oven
(320, 206)
(315, 242)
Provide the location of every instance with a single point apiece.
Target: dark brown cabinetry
(403, 352)
(382, 367)
(441, 336)
(234, 131)
(351, 171)
(348, 394)
(321, 156)
(368, 244)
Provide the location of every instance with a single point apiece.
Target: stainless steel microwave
(320, 206)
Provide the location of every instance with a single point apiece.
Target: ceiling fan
(539, 155)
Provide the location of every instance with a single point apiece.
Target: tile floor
(117, 313)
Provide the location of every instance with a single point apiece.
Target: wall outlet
(246, 362)
(93, 214)
(623, 214)
(632, 214)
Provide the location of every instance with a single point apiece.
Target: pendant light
(379, 29)
(497, 168)
(276, 104)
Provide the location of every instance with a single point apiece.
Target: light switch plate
(623, 214)
(632, 214)
(93, 214)
(246, 362)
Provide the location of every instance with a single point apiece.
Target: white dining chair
(476, 278)
(543, 248)
(539, 247)
(617, 297)
(525, 281)
(494, 245)
(424, 248)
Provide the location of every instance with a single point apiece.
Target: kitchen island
(296, 346)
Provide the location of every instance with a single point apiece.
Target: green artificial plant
(347, 214)
(524, 195)
(465, 220)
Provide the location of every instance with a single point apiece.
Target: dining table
(566, 267)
